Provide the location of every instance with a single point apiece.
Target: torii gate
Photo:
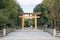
(34, 15)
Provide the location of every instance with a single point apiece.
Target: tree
(41, 8)
(53, 6)
(19, 20)
(9, 12)
(2, 4)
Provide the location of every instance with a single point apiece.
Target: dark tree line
(9, 10)
(50, 10)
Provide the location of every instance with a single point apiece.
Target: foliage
(51, 10)
(2, 4)
(54, 7)
(29, 22)
(41, 8)
(9, 12)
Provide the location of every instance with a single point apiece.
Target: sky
(28, 5)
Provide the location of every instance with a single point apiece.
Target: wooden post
(23, 23)
(35, 22)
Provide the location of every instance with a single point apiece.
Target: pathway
(28, 35)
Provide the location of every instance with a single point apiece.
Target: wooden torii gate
(34, 15)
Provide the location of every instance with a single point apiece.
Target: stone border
(51, 31)
(1, 33)
(5, 32)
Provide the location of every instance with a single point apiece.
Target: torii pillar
(35, 22)
(23, 22)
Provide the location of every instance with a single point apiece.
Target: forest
(50, 13)
(9, 10)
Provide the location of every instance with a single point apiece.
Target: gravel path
(29, 35)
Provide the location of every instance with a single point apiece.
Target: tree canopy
(51, 10)
(9, 10)
(40, 8)
(53, 6)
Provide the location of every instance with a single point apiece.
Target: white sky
(28, 5)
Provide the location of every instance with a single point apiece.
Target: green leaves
(50, 9)
(3, 18)
(9, 12)
(54, 7)
(41, 8)
(2, 4)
